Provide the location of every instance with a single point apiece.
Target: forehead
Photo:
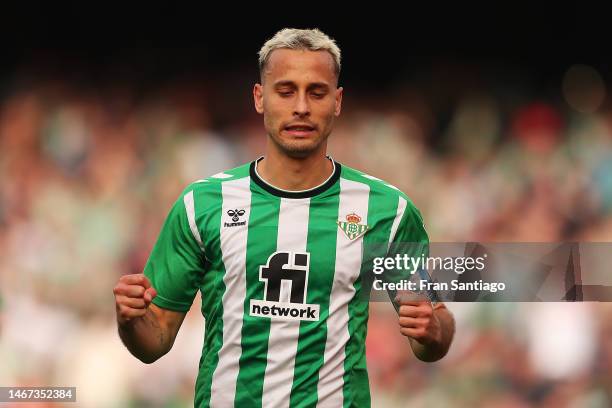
(300, 66)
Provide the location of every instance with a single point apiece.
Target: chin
(298, 148)
(298, 151)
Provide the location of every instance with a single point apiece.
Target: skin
(147, 330)
(429, 328)
(298, 88)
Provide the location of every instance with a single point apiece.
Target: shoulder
(386, 195)
(377, 186)
(213, 182)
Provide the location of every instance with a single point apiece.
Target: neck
(294, 174)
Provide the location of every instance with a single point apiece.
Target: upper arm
(411, 228)
(176, 264)
(410, 240)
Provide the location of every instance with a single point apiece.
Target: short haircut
(297, 39)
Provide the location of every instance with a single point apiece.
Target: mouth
(299, 130)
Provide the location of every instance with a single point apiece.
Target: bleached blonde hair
(297, 39)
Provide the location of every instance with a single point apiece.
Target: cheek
(273, 117)
(273, 108)
(268, 110)
(328, 108)
(327, 113)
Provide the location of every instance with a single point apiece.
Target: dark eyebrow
(280, 84)
(315, 85)
(318, 85)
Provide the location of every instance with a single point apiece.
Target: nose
(301, 108)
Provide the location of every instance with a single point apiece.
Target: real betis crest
(352, 227)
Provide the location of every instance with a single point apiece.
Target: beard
(297, 148)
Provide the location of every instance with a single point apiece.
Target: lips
(299, 129)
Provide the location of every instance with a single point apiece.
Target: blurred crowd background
(90, 166)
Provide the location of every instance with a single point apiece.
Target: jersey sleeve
(411, 241)
(411, 228)
(176, 264)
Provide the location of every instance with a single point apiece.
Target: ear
(258, 98)
(339, 93)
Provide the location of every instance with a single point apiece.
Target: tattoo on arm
(152, 321)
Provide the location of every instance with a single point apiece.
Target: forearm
(435, 350)
(145, 337)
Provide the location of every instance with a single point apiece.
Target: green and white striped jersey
(279, 273)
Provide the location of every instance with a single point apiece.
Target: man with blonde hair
(276, 249)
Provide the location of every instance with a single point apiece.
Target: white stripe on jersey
(236, 195)
(353, 198)
(401, 207)
(190, 208)
(284, 335)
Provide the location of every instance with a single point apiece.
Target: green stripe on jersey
(212, 291)
(263, 228)
(381, 212)
(322, 230)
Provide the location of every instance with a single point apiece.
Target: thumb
(149, 295)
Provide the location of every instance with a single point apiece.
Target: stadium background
(499, 128)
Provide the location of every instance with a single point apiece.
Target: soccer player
(275, 247)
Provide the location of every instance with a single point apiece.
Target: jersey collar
(331, 180)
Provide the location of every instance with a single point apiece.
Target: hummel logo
(235, 214)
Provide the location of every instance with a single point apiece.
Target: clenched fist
(133, 295)
(418, 321)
